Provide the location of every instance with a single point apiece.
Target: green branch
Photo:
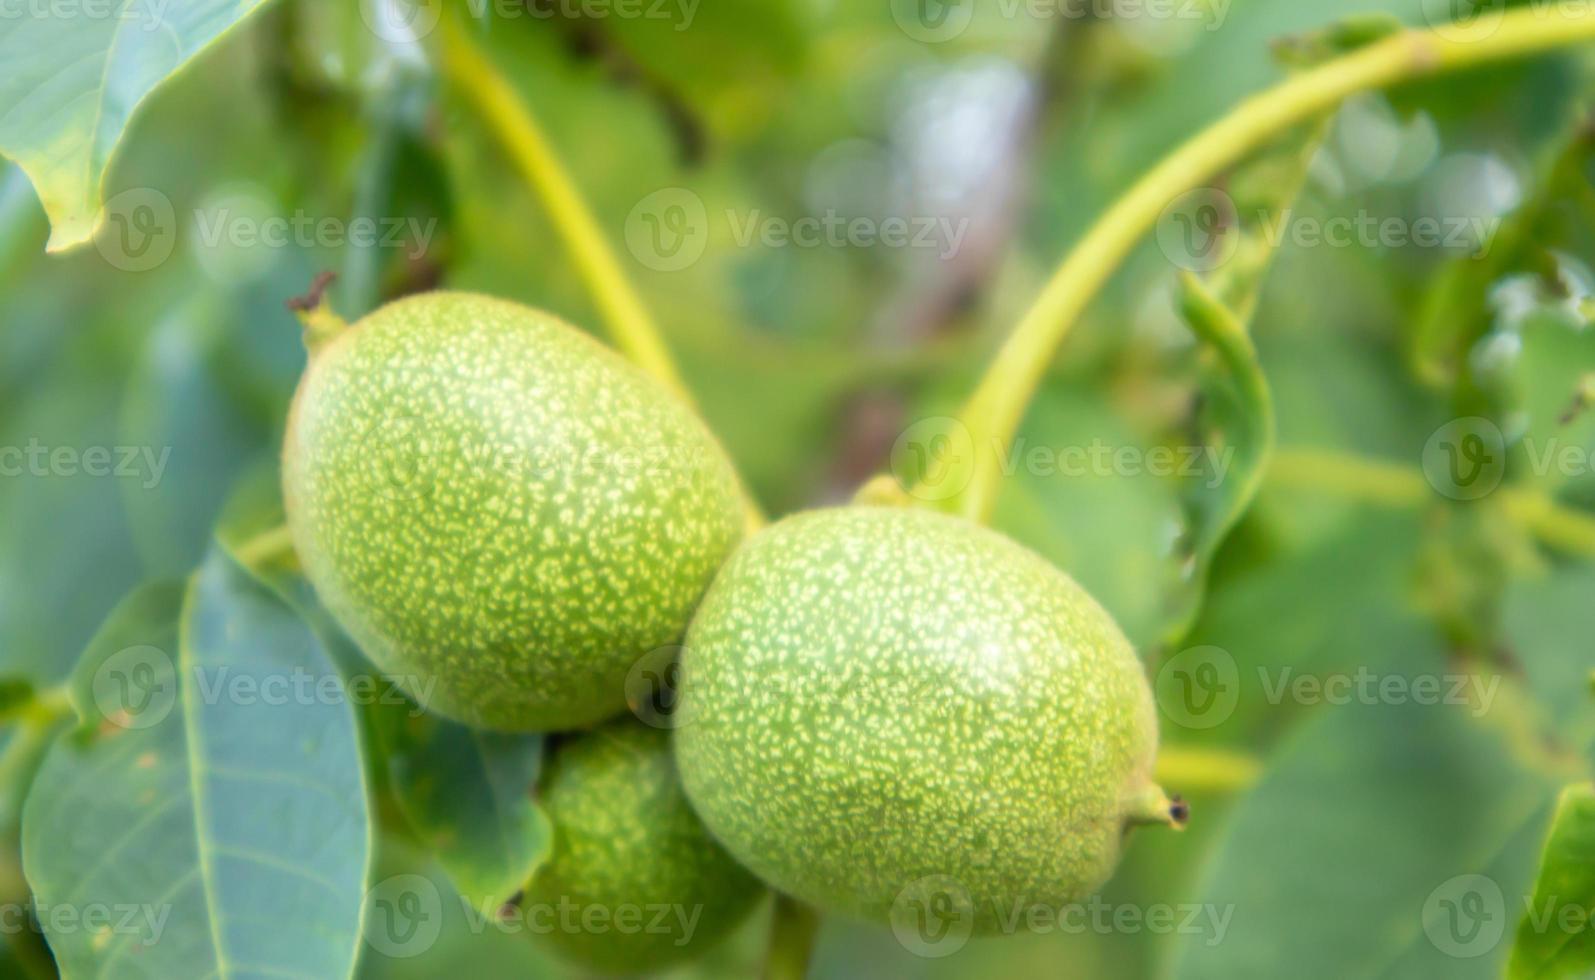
(1207, 770)
(509, 117)
(36, 726)
(995, 410)
(792, 929)
(630, 325)
(272, 546)
(1393, 485)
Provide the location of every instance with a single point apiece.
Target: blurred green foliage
(808, 361)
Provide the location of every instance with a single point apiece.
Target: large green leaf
(1388, 839)
(214, 802)
(1553, 938)
(75, 74)
(468, 796)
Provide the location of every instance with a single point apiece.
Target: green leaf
(1312, 48)
(1107, 527)
(468, 796)
(1387, 840)
(1553, 938)
(72, 82)
(16, 694)
(1241, 412)
(1457, 307)
(217, 805)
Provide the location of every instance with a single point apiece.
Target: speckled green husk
(873, 696)
(625, 839)
(502, 513)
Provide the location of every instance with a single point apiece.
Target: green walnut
(880, 705)
(502, 513)
(634, 882)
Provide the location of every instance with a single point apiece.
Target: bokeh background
(1341, 838)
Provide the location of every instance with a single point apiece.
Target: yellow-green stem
(511, 120)
(1206, 770)
(625, 316)
(995, 410)
(792, 929)
(1393, 485)
(36, 725)
(266, 548)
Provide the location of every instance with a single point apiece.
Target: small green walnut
(502, 513)
(634, 882)
(873, 698)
